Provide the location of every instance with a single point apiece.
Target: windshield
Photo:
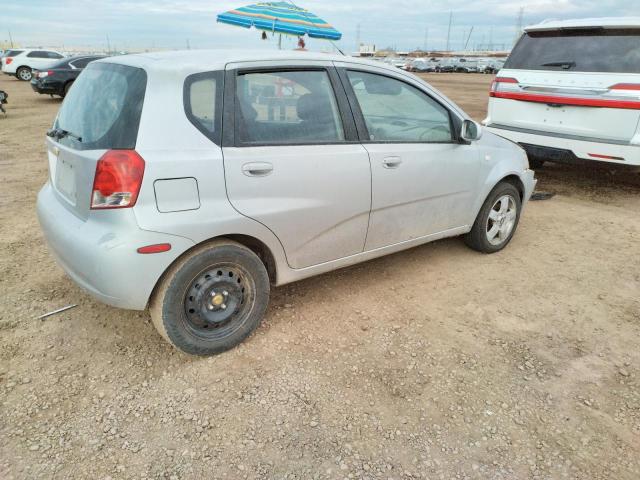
(578, 50)
(102, 110)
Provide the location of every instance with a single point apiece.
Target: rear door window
(37, 54)
(578, 50)
(102, 110)
(287, 107)
(202, 103)
(81, 62)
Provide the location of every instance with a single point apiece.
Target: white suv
(571, 90)
(21, 63)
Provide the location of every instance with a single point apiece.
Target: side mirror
(470, 131)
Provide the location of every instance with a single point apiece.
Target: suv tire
(24, 74)
(211, 299)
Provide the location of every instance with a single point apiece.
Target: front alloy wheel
(497, 220)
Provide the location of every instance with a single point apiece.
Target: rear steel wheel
(211, 299)
(218, 300)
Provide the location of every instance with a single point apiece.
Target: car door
(423, 178)
(38, 59)
(293, 161)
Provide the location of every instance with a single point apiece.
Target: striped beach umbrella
(280, 17)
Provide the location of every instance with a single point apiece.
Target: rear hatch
(576, 82)
(101, 112)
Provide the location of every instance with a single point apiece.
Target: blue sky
(132, 24)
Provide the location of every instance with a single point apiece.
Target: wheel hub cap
(501, 220)
(214, 298)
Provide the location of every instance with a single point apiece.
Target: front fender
(501, 159)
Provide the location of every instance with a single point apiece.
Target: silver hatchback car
(190, 183)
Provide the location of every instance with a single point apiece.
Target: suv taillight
(496, 85)
(118, 179)
(8, 60)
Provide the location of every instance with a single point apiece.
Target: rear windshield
(578, 50)
(102, 110)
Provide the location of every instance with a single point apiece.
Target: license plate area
(65, 180)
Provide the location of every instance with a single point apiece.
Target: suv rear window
(103, 108)
(578, 50)
(13, 53)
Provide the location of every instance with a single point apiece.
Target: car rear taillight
(625, 86)
(502, 83)
(48, 73)
(118, 179)
(8, 60)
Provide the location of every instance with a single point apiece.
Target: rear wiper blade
(565, 65)
(58, 133)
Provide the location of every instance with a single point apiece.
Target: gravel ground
(434, 363)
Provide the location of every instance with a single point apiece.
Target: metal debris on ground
(41, 317)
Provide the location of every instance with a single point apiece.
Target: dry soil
(434, 363)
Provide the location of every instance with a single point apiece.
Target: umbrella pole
(280, 41)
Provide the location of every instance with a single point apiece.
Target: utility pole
(188, 45)
(426, 38)
(108, 45)
(519, 25)
(468, 38)
(449, 31)
(10, 39)
(358, 38)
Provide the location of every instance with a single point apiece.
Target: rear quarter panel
(173, 148)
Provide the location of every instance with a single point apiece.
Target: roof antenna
(337, 48)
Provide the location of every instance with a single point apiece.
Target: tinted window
(81, 62)
(104, 107)
(13, 53)
(37, 54)
(397, 112)
(287, 108)
(612, 51)
(54, 55)
(202, 100)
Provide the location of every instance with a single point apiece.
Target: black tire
(66, 88)
(184, 306)
(477, 238)
(24, 74)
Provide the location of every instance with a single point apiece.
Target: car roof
(207, 60)
(605, 22)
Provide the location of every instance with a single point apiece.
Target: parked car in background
(8, 53)
(446, 65)
(490, 65)
(570, 90)
(158, 196)
(57, 79)
(466, 65)
(21, 64)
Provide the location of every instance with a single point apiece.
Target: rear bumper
(593, 150)
(45, 88)
(99, 254)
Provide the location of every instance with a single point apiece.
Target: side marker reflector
(606, 157)
(157, 248)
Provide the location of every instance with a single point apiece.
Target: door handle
(391, 162)
(257, 169)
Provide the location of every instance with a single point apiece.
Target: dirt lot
(435, 363)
